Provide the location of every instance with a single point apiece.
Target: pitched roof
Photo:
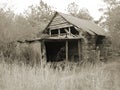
(86, 25)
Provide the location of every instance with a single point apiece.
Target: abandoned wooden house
(69, 38)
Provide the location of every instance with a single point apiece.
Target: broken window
(54, 32)
(74, 31)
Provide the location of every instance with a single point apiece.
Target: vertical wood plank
(58, 32)
(50, 32)
(40, 51)
(66, 50)
(69, 31)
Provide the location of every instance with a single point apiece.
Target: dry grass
(87, 77)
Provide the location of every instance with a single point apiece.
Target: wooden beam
(69, 31)
(59, 23)
(66, 50)
(50, 32)
(41, 60)
(60, 26)
(58, 32)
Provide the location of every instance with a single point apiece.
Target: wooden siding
(60, 26)
(59, 22)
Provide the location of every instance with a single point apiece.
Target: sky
(59, 5)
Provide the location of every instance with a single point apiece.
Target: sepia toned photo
(59, 44)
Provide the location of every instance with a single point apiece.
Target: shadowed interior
(54, 49)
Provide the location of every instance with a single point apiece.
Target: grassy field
(85, 77)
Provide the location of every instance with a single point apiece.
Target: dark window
(74, 31)
(54, 31)
(62, 30)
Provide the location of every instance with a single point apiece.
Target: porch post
(66, 50)
(40, 51)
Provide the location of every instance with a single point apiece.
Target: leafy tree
(6, 25)
(112, 20)
(113, 23)
(74, 10)
(39, 16)
(22, 28)
(84, 14)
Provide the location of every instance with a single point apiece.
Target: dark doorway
(55, 50)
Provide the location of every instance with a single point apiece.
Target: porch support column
(40, 50)
(66, 46)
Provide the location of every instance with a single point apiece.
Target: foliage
(112, 20)
(15, 27)
(28, 56)
(28, 25)
(74, 10)
(6, 25)
(38, 16)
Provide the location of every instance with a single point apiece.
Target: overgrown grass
(19, 72)
(85, 77)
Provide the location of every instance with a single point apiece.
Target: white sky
(60, 5)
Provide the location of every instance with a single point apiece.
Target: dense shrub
(25, 55)
(29, 56)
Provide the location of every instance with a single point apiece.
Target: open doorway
(55, 51)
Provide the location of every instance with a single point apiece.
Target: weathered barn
(69, 38)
